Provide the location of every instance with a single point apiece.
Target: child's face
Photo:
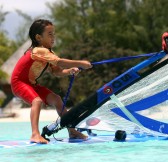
(48, 37)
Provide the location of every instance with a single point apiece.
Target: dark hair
(37, 28)
(120, 135)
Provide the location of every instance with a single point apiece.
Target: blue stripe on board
(149, 101)
(91, 140)
(149, 123)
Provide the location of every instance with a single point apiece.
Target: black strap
(41, 73)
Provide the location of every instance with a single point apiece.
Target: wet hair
(120, 135)
(37, 27)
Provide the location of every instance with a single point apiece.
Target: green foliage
(3, 76)
(97, 30)
(150, 17)
(7, 47)
(104, 29)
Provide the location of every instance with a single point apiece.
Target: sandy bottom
(23, 115)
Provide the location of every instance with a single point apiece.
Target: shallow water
(150, 151)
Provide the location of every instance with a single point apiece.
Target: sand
(23, 115)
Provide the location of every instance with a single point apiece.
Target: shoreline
(49, 115)
(23, 115)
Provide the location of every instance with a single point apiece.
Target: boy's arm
(58, 71)
(43, 54)
(66, 63)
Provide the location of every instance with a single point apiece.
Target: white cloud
(33, 8)
(25, 5)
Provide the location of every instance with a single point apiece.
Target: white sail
(141, 94)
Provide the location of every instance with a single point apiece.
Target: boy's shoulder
(40, 50)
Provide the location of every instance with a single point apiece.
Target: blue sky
(33, 8)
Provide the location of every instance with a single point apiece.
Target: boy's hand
(86, 65)
(74, 71)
